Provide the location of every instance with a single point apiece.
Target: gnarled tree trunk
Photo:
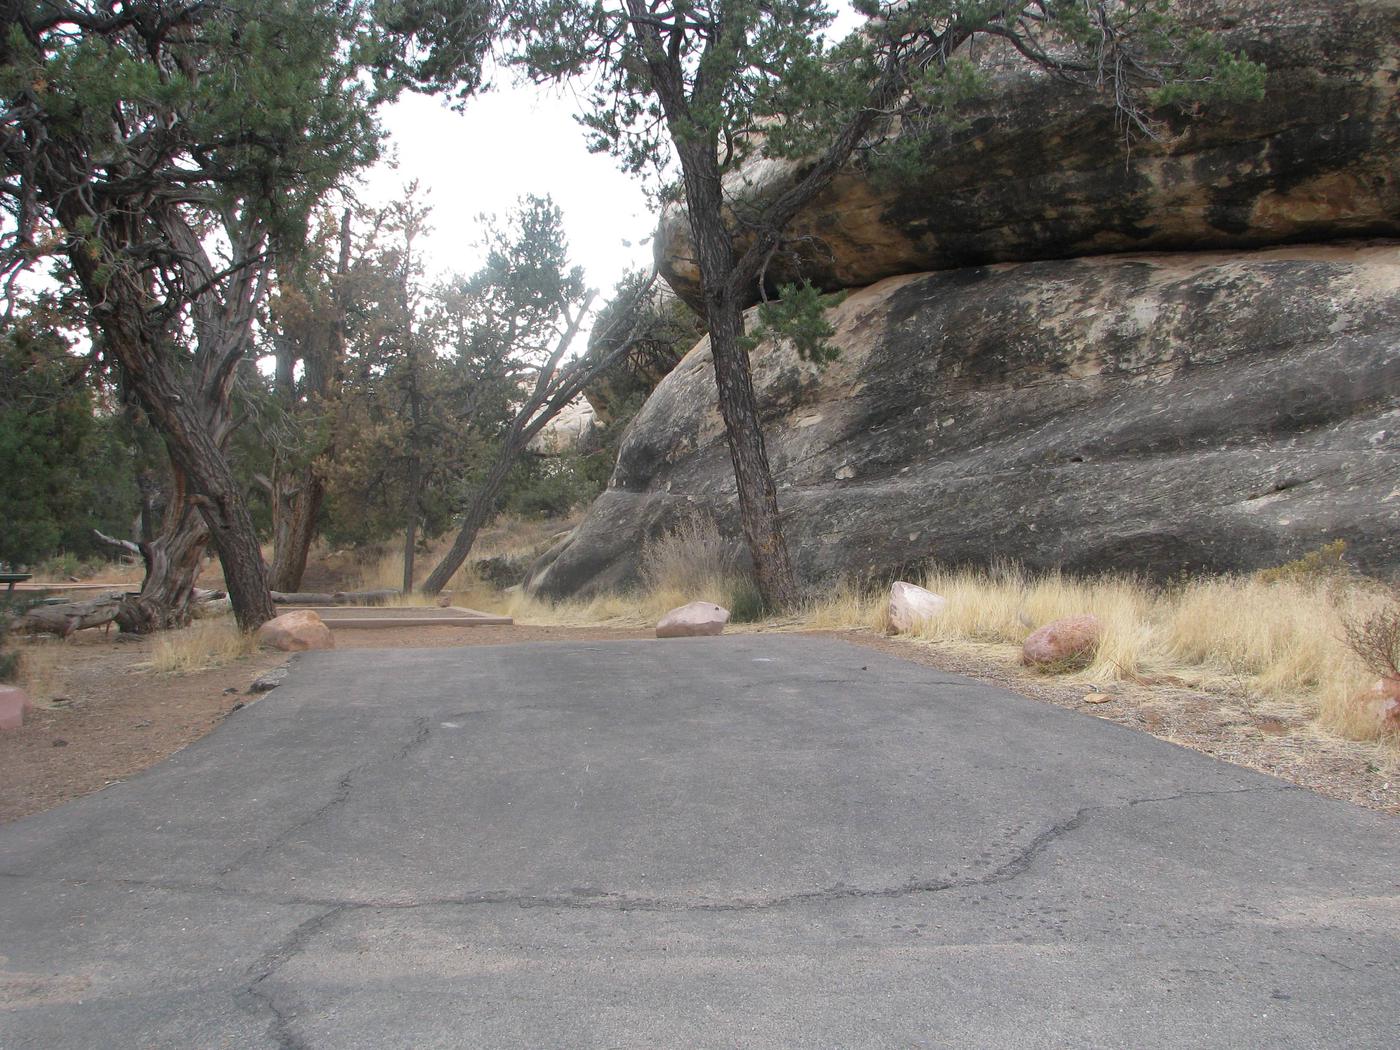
(188, 406)
(296, 502)
(173, 560)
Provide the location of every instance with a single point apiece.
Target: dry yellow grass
(691, 563)
(1279, 642)
(1276, 639)
(41, 669)
(508, 536)
(203, 645)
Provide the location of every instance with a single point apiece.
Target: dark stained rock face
(1153, 413)
(1041, 170)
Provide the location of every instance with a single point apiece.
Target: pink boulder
(295, 632)
(911, 605)
(1062, 642)
(14, 705)
(698, 619)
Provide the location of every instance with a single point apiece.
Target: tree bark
(378, 597)
(173, 561)
(189, 412)
(296, 503)
(483, 503)
(297, 495)
(738, 406)
(64, 619)
(753, 477)
(410, 533)
(197, 456)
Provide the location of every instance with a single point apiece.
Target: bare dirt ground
(116, 718)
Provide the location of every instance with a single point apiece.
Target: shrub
(1375, 638)
(746, 604)
(695, 562)
(11, 609)
(1327, 562)
(691, 556)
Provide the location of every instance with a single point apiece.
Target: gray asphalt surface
(752, 841)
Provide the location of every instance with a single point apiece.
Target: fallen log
(380, 597)
(64, 619)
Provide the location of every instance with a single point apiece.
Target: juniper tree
(701, 85)
(509, 330)
(162, 149)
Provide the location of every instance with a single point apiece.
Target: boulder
(1154, 414)
(295, 632)
(1383, 699)
(567, 431)
(696, 620)
(501, 571)
(1062, 642)
(1040, 170)
(14, 705)
(911, 605)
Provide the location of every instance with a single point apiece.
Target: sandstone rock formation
(296, 631)
(696, 620)
(911, 605)
(1153, 413)
(1041, 171)
(1062, 642)
(566, 431)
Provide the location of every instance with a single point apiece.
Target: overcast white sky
(509, 142)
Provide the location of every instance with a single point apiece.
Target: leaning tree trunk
(410, 532)
(296, 503)
(484, 502)
(753, 477)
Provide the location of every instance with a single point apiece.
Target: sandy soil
(115, 718)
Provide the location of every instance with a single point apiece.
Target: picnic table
(13, 578)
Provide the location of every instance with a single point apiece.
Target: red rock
(1062, 641)
(14, 705)
(296, 632)
(698, 619)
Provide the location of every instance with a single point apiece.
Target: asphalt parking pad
(756, 840)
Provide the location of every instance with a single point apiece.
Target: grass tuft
(202, 646)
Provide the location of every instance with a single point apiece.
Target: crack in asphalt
(1011, 869)
(255, 998)
(340, 796)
